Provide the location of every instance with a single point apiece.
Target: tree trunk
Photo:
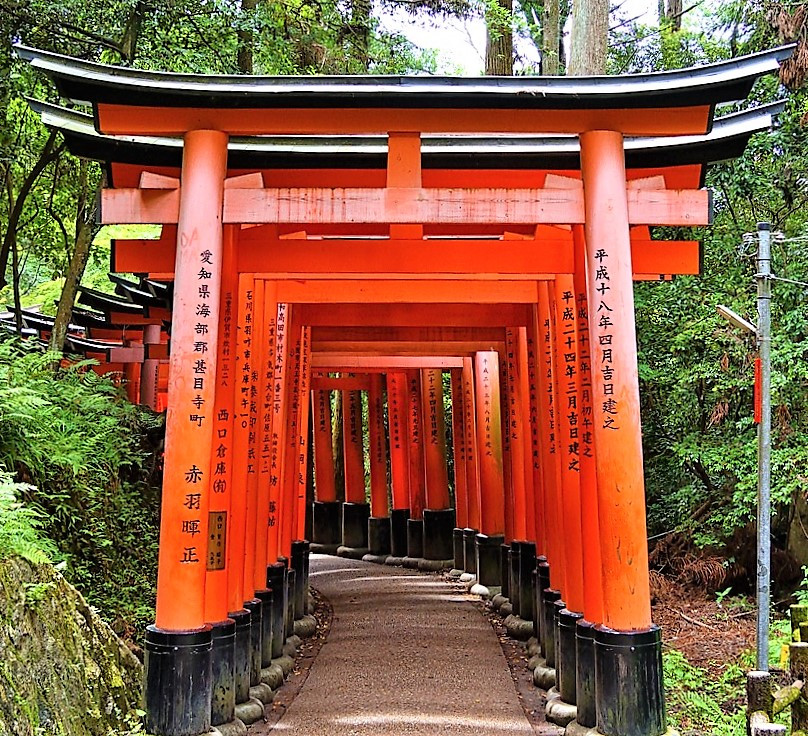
(590, 33)
(15, 279)
(499, 39)
(551, 39)
(85, 231)
(673, 14)
(16, 204)
(246, 40)
(131, 33)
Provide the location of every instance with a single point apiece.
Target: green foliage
(697, 700)
(21, 526)
(87, 458)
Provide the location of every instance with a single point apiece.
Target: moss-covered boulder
(63, 671)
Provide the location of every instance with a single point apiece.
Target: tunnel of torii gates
(372, 234)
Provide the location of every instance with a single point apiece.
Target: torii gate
(213, 210)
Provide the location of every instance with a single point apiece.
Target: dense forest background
(86, 493)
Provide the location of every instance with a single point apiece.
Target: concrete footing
(544, 677)
(518, 628)
(306, 626)
(272, 676)
(231, 728)
(557, 711)
(262, 692)
(352, 553)
(250, 711)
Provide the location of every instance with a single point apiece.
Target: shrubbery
(85, 462)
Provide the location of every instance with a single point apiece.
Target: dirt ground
(710, 633)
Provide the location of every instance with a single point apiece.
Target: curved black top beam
(727, 140)
(705, 85)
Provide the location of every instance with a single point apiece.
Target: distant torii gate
(570, 237)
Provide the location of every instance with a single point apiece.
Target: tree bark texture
(246, 40)
(590, 33)
(551, 39)
(85, 231)
(499, 39)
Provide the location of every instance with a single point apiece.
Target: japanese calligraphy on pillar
(278, 425)
(568, 373)
(198, 402)
(221, 461)
(304, 405)
(584, 372)
(547, 367)
(608, 413)
(434, 394)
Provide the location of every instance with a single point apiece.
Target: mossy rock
(63, 671)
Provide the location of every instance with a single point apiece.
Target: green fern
(20, 526)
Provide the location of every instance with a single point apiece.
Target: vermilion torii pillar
(178, 646)
(326, 535)
(399, 462)
(626, 641)
(460, 454)
(355, 510)
(415, 524)
(379, 521)
(438, 516)
(492, 482)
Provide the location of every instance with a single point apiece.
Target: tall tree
(589, 39)
(499, 38)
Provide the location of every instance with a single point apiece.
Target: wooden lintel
(406, 206)
(407, 292)
(421, 316)
(376, 363)
(402, 348)
(408, 259)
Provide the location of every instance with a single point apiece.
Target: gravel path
(405, 655)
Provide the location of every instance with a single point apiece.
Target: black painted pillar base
(542, 583)
(398, 532)
(585, 667)
(551, 597)
(438, 526)
(266, 597)
(276, 582)
(242, 660)
(459, 551)
(527, 567)
(355, 525)
(514, 590)
(630, 695)
(289, 614)
(379, 536)
(298, 563)
(326, 529)
(256, 609)
(505, 570)
(488, 560)
(566, 658)
(223, 672)
(178, 681)
(306, 560)
(415, 538)
(470, 550)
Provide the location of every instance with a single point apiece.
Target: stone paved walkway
(405, 655)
